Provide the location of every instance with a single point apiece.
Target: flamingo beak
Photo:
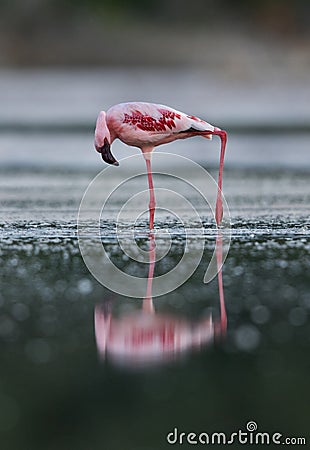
(106, 154)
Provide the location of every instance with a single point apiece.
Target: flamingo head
(103, 139)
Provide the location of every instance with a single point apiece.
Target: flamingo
(148, 125)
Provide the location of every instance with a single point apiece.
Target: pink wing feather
(143, 123)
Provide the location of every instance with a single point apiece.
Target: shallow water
(58, 390)
(87, 368)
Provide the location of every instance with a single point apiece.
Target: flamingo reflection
(145, 336)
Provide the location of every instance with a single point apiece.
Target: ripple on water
(241, 228)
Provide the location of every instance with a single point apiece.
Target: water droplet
(247, 337)
(85, 286)
(238, 270)
(20, 311)
(260, 314)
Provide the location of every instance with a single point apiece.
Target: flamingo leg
(219, 200)
(148, 300)
(152, 203)
(219, 259)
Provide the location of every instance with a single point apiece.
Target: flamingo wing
(154, 120)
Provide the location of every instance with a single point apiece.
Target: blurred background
(133, 32)
(241, 65)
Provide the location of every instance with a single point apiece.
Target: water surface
(58, 392)
(58, 388)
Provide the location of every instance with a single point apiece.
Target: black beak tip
(106, 154)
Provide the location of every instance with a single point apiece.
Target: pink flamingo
(148, 125)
